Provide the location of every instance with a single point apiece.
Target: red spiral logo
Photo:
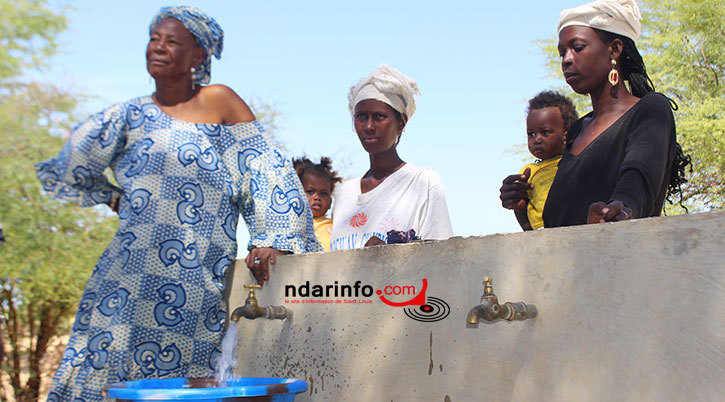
(358, 220)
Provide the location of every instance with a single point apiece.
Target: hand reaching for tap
(258, 261)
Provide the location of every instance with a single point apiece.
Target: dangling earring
(614, 74)
(193, 81)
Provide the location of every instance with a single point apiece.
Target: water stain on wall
(430, 365)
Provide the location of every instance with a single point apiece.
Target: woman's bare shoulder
(218, 90)
(231, 106)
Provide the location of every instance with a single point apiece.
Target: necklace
(370, 175)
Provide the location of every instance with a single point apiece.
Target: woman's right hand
(258, 261)
(615, 211)
(515, 191)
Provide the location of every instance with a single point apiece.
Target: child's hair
(546, 99)
(323, 169)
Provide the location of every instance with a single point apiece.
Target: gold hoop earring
(614, 74)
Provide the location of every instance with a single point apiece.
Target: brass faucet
(489, 309)
(251, 309)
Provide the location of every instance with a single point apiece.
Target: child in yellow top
(318, 181)
(549, 117)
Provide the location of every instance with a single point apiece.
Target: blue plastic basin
(208, 390)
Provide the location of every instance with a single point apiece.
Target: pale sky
(475, 62)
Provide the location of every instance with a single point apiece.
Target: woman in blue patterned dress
(188, 160)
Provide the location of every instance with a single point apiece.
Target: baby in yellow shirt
(318, 181)
(549, 117)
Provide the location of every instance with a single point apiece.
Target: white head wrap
(387, 85)
(617, 16)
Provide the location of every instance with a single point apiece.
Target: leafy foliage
(27, 35)
(51, 247)
(684, 43)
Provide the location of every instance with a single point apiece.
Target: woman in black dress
(622, 159)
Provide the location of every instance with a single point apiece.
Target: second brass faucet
(251, 309)
(489, 309)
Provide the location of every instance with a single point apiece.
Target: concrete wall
(627, 311)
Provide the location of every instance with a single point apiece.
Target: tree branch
(709, 67)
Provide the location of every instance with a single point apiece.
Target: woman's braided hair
(634, 71)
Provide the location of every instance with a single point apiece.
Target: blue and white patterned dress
(153, 307)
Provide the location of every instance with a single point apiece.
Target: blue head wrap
(209, 35)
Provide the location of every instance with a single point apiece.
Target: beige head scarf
(617, 16)
(387, 85)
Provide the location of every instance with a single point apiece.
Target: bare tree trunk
(30, 324)
(45, 331)
(3, 397)
(2, 343)
(13, 334)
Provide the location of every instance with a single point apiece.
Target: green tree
(51, 246)
(27, 35)
(683, 46)
(684, 43)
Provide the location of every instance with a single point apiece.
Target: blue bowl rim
(257, 386)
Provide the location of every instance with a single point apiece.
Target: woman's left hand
(114, 205)
(601, 212)
(374, 241)
(258, 262)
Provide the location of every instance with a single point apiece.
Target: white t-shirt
(410, 198)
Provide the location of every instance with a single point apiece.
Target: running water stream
(228, 359)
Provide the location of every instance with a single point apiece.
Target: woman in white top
(392, 194)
